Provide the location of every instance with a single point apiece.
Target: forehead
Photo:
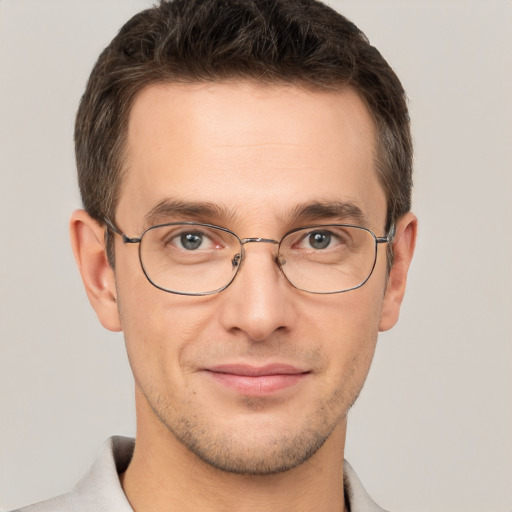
(249, 148)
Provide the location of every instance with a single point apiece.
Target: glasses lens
(328, 259)
(191, 259)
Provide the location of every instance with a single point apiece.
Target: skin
(257, 153)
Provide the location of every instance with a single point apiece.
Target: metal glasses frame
(239, 257)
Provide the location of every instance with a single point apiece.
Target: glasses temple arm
(389, 237)
(112, 227)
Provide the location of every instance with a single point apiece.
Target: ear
(88, 243)
(403, 250)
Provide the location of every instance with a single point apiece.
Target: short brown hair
(301, 42)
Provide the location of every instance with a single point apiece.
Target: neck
(165, 475)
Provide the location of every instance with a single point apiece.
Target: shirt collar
(100, 487)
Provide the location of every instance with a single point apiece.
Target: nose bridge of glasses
(259, 240)
(236, 261)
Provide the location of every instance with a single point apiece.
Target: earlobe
(87, 241)
(403, 250)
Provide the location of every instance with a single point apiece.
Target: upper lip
(257, 371)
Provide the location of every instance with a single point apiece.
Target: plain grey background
(433, 427)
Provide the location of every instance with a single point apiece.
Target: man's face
(253, 379)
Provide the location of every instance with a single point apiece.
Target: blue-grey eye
(320, 239)
(191, 241)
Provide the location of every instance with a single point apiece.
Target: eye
(192, 240)
(320, 239)
(180, 240)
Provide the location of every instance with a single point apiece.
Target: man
(245, 169)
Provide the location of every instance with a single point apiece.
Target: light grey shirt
(100, 490)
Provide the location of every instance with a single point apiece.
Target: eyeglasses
(190, 258)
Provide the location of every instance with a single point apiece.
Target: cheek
(347, 328)
(158, 327)
(351, 317)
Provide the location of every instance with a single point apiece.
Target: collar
(101, 491)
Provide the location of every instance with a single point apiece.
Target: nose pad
(237, 259)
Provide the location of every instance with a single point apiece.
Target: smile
(257, 380)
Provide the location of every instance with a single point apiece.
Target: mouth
(257, 380)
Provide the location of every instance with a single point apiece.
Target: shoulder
(355, 493)
(99, 490)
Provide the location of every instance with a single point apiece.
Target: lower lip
(260, 385)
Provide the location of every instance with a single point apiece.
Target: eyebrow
(344, 211)
(207, 212)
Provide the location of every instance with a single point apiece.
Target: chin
(247, 457)
(253, 448)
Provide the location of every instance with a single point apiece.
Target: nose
(259, 302)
